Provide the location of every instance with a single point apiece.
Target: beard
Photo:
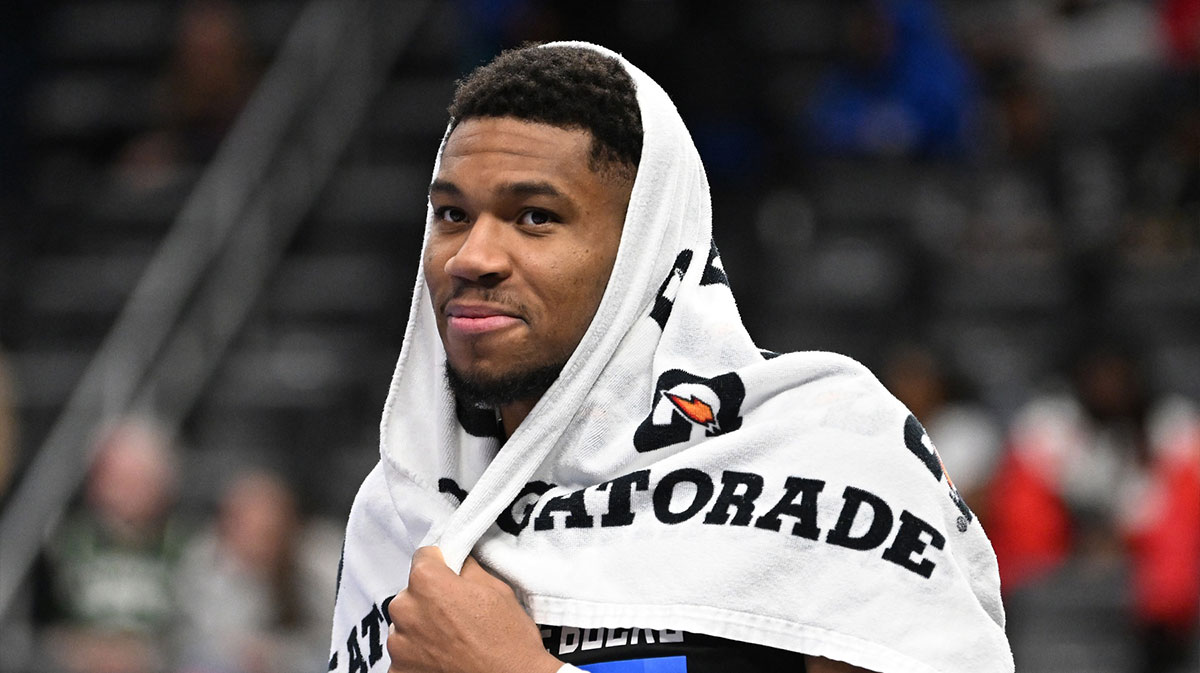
(492, 392)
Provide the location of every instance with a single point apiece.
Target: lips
(479, 318)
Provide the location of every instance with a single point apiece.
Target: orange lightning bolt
(695, 409)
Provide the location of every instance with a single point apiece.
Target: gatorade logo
(686, 407)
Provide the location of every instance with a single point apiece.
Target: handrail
(219, 253)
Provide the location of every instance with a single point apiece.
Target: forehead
(482, 147)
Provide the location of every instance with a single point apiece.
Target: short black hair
(567, 87)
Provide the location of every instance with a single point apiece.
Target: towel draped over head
(675, 476)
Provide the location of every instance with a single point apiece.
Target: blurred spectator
(210, 75)
(111, 564)
(1108, 477)
(901, 90)
(257, 589)
(967, 438)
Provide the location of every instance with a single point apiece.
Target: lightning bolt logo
(695, 409)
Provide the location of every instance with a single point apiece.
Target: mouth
(471, 318)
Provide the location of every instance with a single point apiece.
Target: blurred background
(211, 213)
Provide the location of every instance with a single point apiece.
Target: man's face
(523, 240)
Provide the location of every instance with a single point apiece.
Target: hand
(467, 623)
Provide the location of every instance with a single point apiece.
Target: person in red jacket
(1108, 473)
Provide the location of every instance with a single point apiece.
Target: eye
(536, 217)
(449, 214)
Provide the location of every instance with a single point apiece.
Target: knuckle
(395, 645)
(400, 607)
(422, 575)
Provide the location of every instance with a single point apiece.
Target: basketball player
(561, 162)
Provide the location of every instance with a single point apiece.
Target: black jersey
(622, 650)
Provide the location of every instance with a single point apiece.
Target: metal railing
(198, 289)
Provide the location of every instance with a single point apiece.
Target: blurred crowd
(136, 579)
(132, 583)
(1073, 130)
(1091, 498)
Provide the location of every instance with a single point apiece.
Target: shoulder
(823, 364)
(376, 549)
(372, 514)
(826, 391)
(389, 518)
(829, 374)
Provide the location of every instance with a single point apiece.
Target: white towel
(675, 476)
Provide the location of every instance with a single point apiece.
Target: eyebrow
(509, 188)
(530, 189)
(444, 187)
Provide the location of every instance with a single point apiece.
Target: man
(578, 410)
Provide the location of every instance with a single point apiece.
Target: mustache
(484, 295)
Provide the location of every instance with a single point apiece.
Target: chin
(483, 387)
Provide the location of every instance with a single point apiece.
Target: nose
(482, 256)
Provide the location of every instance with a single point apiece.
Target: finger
(472, 570)
(397, 647)
(395, 609)
(428, 572)
(427, 562)
(428, 554)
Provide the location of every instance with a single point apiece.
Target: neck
(513, 413)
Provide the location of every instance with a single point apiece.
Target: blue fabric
(654, 665)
